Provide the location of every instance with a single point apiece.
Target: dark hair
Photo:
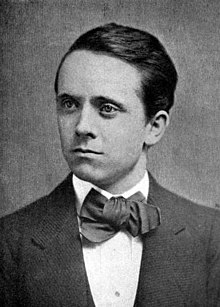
(139, 49)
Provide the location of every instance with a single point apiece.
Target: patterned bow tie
(101, 218)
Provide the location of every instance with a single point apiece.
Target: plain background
(34, 36)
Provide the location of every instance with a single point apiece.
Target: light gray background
(34, 36)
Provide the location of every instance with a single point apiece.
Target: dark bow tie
(102, 218)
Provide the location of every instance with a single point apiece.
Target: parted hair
(139, 49)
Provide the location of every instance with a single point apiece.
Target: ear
(156, 127)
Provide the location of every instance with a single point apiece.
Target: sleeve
(8, 269)
(213, 283)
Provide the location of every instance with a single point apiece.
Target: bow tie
(101, 218)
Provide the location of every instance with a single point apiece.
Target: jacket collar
(56, 249)
(164, 200)
(57, 212)
(166, 250)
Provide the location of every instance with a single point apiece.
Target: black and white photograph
(110, 153)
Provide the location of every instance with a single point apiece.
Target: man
(109, 235)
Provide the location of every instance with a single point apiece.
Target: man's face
(101, 120)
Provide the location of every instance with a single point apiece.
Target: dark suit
(41, 260)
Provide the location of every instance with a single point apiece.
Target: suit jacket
(41, 260)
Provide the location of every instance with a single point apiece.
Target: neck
(127, 181)
(123, 186)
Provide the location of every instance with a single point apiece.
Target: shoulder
(33, 213)
(201, 220)
(190, 209)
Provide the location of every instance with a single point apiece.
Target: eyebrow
(64, 95)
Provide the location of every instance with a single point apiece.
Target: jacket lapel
(166, 255)
(57, 268)
(57, 272)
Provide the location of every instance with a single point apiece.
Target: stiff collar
(82, 188)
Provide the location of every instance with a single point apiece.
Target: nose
(85, 126)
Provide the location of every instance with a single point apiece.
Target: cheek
(65, 123)
(133, 136)
(127, 141)
(66, 130)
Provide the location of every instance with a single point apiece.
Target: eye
(108, 110)
(67, 104)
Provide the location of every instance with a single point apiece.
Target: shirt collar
(82, 188)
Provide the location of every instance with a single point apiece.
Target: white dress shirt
(112, 266)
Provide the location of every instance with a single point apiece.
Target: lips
(86, 151)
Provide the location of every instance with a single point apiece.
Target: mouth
(86, 151)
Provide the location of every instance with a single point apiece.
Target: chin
(85, 177)
(86, 174)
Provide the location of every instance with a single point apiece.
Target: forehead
(98, 72)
